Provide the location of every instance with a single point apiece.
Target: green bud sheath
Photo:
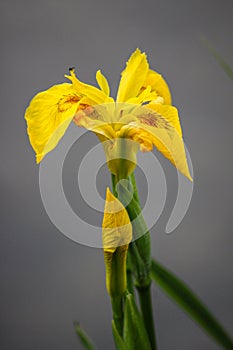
(115, 264)
(116, 234)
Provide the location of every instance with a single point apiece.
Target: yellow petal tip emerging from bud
(117, 234)
(116, 227)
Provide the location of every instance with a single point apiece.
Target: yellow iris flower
(142, 113)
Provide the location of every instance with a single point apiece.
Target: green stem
(117, 310)
(147, 313)
(142, 278)
(143, 285)
(113, 177)
(130, 284)
(140, 254)
(129, 272)
(135, 189)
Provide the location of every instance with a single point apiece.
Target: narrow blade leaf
(119, 342)
(225, 66)
(190, 303)
(134, 332)
(85, 340)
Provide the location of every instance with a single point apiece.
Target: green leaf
(119, 342)
(190, 303)
(134, 332)
(85, 340)
(225, 66)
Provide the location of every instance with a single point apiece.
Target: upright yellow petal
(116, 227)
(49, 115)
(158, 85)
(103, 83)
(133, 77)
(95, 95)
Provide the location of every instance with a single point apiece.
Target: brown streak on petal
(66, 102)
(156, 121)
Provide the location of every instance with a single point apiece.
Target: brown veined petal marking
(161, 122)
(153, 119)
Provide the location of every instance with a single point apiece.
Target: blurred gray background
(47, 281)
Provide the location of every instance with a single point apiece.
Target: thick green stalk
(139, 268)
(113, 177)
(139, 251)
(143, 285)
(135, 189)
(129, 272)
(147, 313)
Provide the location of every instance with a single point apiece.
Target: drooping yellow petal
(159, 125)
(159, 85)
(133, 77)
(103, 83)
(116, 227)
(169, 114)
(49, 115)
(50, 112)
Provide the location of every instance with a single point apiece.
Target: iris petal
(133, 76)
(116, 227)
(49, 115)
(159, 85)
(159, 125)
(97, 96)
(103, 83)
